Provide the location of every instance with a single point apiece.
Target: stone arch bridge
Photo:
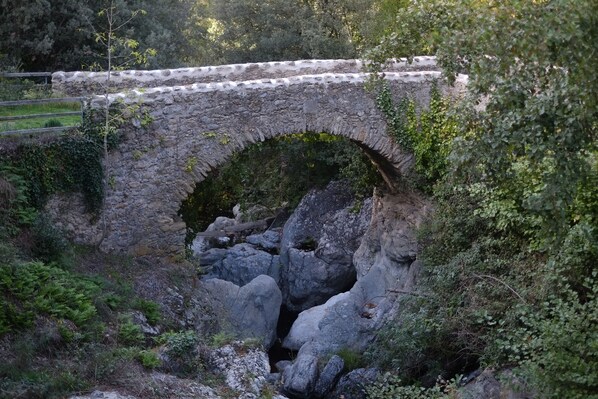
(201, 116)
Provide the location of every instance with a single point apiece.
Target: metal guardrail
(25, 74)
(41, 101)
(36, 131)
(17, 103)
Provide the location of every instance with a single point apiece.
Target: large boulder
(250, 311)
(318, 243)
(301, 377)
(239, 264)
(387, 269)
(329, 376)
(354, 384)
(306, 327)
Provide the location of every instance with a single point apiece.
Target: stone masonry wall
(197, 128)
(86, 83)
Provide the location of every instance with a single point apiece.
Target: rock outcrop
(317, 246)
(239, 264)
(245, 370)
(386, 268)
(353, 385)
(250, 311)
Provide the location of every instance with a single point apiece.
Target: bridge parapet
(86, 83)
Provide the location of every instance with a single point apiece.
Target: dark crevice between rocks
(277, 352)
(308, 244)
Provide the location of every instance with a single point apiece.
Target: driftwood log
(238, 228)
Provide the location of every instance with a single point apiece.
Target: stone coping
(267, 84)
(238, 71)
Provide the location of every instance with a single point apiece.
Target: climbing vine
(71, 163)
(429, 134)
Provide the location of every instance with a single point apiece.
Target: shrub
(390, 386)
(562, 341)
(181, 349)
(130, 333)
(48, 243)
(53, 123)
(150, 309)
(149, 359)
(179, 343)
(352, 359)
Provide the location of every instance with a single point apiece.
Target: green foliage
(15, 210)
(60, 36)
(180, 344)
(72, 163)
(109, 362)
(48, 243)
(428, 134)
(149, 359)
(33, 288)
(182, 349)
(562, 342)
(220, 339)
(150, 309)
(288, 30)
(508, 256)
(390, 386)
(352, 359)
(52, 123)
(129, 333)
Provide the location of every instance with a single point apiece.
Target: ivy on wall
(71, 163)
(428, 133)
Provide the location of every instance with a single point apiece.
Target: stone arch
(197, 128)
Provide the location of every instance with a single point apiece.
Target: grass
(32, 109)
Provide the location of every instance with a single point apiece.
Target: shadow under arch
(274, 175)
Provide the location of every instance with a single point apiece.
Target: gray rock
(103, 395)
(140, 319)
(495, 385)
(245, 369)
(317, 246)
(391, 236)
(250, 311)
(202, 244)
(171, 386)
(268, 240)
(282, 365)
(329, 376)
(306, 327)
(353, 385)
(301, 377)
(350, 320)
(239, 264)
(273, 378)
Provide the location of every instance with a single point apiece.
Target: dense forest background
(509, 276)
(61, 34)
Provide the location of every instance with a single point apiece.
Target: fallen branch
(480, 276)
